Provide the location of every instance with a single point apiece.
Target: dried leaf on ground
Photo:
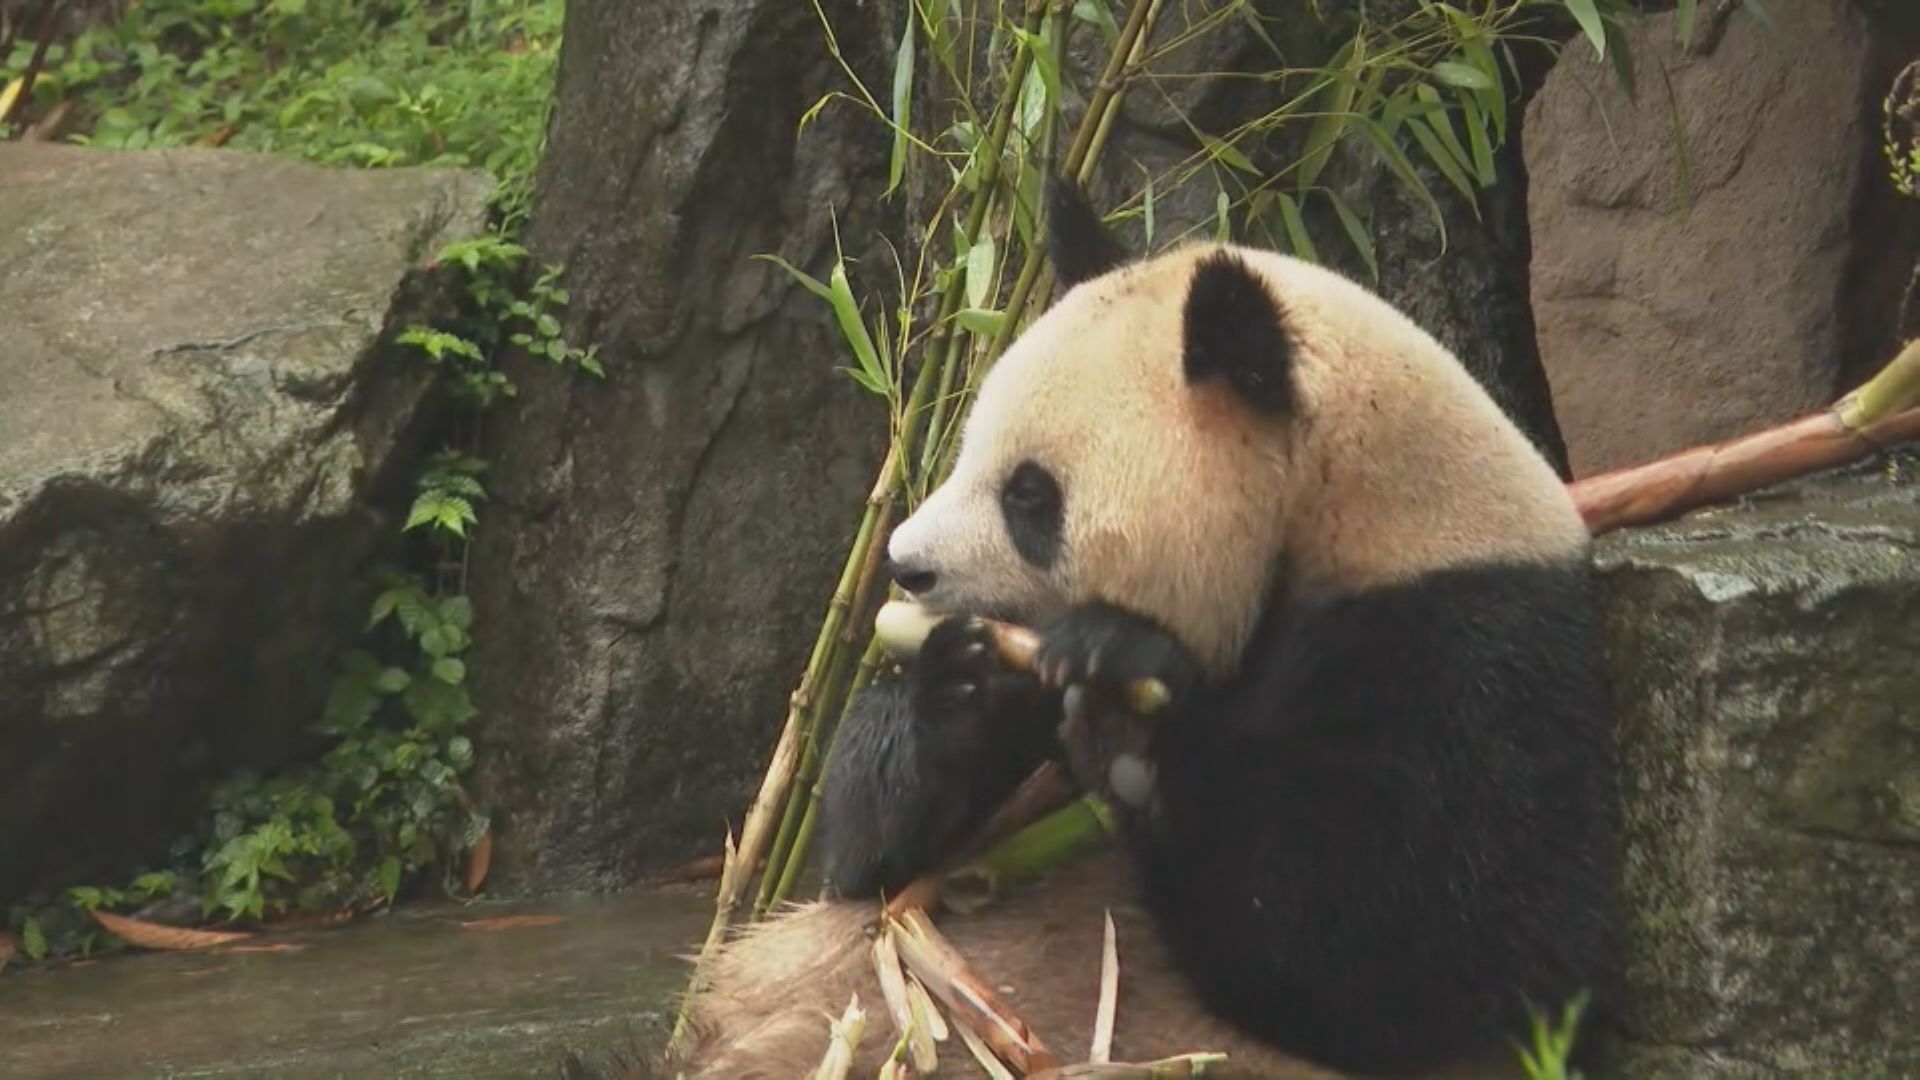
(479, 860)
(510, 922)
(148, 935)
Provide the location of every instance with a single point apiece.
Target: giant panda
(1375, 823)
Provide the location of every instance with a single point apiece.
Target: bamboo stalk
(1882, 412)
(716, 930)
(1142, 18)
(803, 703)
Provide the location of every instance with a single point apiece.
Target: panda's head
(1172, 435)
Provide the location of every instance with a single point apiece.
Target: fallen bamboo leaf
(893, 989)
(1102, 1049)
(973, 1004)
(479, 860)
(147, 935)
(511, 922)
(846, 1040)
(1173, 1068)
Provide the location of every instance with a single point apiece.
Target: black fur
(1373, 847)
(1035, 513)
(921, 761)
(1398, 826)
(1078, 245)
(1235, 331)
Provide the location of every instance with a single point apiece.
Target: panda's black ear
(1234, 331)
(1078, 245)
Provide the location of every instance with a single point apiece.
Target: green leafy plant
(1552, 1047)
(369, 83)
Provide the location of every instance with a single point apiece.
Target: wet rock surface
(413, 994)
(1769, 698)
(196, 402)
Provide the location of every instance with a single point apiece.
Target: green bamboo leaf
(1229, 153)
(1296, 228)
(1588, 17)
(1683, 13)
(979, 270)
(1356, 231)
(813, 284)
(1442, 159)
(902, 106)
(1146, 207)
(1482, 147)
(1622, 57)
(1097, 13)
(1442, 124)
(1222, 232)
(1397, 162)
(1454, 73)
(1336, 110)
(1493, 101)
(980, 321)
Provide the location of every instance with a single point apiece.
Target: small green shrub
(349, 82)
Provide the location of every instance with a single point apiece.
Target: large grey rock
(1767, 664)
(663, 544)
(1662, 329)
(195, 398)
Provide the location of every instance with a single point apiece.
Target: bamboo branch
(1884, 411)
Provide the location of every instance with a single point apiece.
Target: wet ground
(409, 994)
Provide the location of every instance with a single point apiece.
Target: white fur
(1179, 499)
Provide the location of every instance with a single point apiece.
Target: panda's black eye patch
(1031, 502)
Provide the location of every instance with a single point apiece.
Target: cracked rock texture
(1769, 700)
(664, 543)
(195, 401)
(1662, 328)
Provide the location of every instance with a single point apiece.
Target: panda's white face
(1170, 432)
(1090, 468)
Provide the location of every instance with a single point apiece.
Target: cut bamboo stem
(1881, 413)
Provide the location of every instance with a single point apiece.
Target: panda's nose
(912, 578)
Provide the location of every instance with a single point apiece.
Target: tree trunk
(660, 547)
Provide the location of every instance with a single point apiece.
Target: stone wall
(195, 405)
(1768, 688)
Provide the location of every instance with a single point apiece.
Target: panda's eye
(1030, 498)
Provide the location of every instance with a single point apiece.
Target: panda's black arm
(920, 761)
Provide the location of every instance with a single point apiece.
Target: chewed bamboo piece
(975, 1006)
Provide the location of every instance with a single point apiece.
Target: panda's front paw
(1106, 648)
(1094, 657)
(959, 674)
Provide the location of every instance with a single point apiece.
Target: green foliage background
(356, 83)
